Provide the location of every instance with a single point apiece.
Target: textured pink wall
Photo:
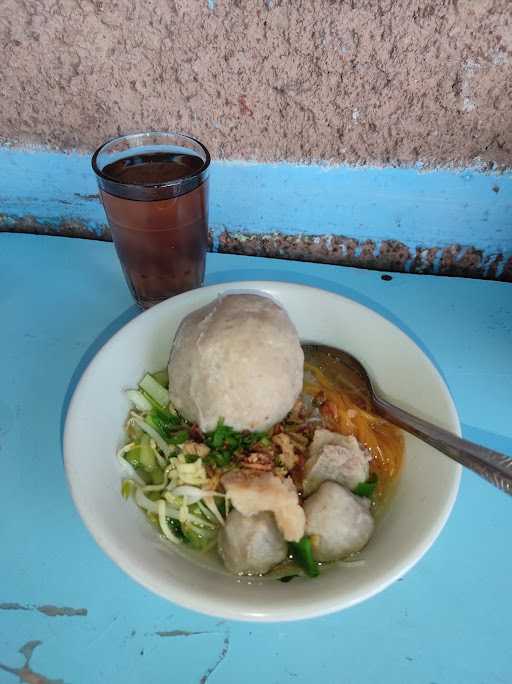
(376, 81)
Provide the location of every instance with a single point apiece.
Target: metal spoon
(489, 464)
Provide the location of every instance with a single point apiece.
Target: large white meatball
(238, 358)
(338, 522)
(251, 545)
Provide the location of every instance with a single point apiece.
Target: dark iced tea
(156, 203)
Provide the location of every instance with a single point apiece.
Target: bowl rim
(192, 600)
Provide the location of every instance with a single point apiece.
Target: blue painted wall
(417, 207)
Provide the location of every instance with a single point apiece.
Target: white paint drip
(499, 58)
(469, 68)
(355, 115)
(468, 105)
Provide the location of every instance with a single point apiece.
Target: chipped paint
(179, 633)
(25, 673)
(385, 255)
(13, 606)
(57, 611)
(93, 197)
(223, 653)
(69, 227)
(48, 610)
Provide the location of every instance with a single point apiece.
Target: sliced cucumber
(147, 455)
(133, 456)
(201, 538)
(157, 475)
(138, 400)
(155, 390)
(162, 377)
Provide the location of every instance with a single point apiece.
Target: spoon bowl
(493, 466)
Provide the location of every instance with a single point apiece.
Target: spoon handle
(491, 465)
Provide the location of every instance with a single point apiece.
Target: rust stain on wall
(64, 228)
(388, 82)
(385, 255)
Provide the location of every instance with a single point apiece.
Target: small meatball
(251, 492)
(337, 458)
(338, 522)
(251, 545)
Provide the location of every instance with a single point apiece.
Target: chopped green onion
(179, 437)
(147, 456)
(164, 423)
(156, 423)
(218, 458)
(217, 439)
(224, 442)
(367, 488)
(302, 553)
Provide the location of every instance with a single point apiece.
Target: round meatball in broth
(251, 544)
(338, 522)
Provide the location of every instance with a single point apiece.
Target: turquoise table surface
(68, 614)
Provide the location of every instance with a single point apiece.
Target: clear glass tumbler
(154, 189)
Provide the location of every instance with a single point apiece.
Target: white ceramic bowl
(423, 500)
